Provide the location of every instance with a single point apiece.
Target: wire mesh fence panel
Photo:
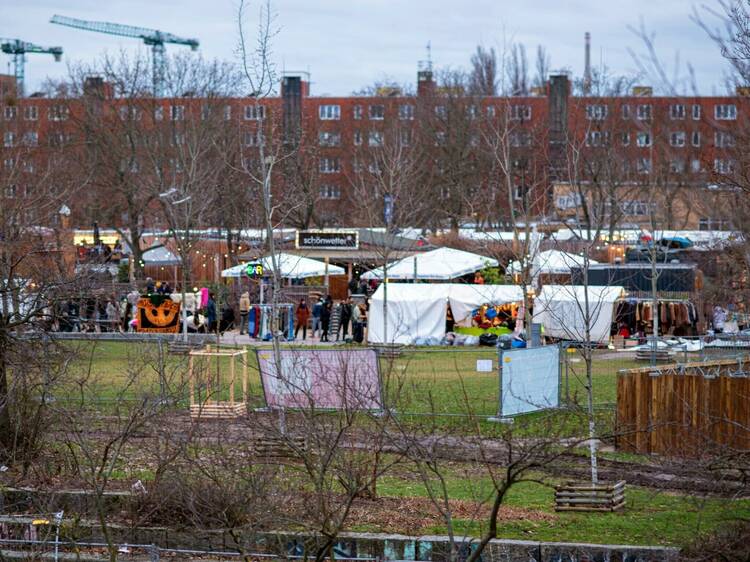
(442, 381)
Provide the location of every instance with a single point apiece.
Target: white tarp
(442, 264)
(292, 267)
(552, 262)
(529, 380)
(561, 310)
(465, 298)
(418, 310)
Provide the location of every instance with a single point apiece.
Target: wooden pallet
(278, 447)
(218, 410)
(662, 355)
(183, 347)
(573, 497)
(389, 351)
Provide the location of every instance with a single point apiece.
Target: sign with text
(326, 240)
(529, 380)
(340, 379)
(254, 270)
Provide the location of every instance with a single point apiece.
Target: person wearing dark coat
(346, 316)
(211, 313)
(325, 318)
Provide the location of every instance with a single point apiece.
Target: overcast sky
(347, 44)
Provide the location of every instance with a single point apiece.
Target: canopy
(552, 262)
(292, 267)
(418, 310)
(561, 309)
(160, 255)
(441, 264)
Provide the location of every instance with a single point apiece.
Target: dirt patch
(419, 515)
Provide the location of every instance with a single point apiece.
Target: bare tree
(483, 77)
(543, 66)
(517, 70)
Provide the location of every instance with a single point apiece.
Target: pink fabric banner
(341, 379)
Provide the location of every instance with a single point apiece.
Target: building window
(626, 111)
(722, 139)
(626, 139)
(597, 138)
(31, 138)
(441, 111)
(725, 112)
(490, 111)
(677, 166)
(678, 139)
(58, 139)
(159, 113)
(643, 165)
(357, 138)
(358, 112)
(31, 113)
(9, 139)
(178, 138)
(227, 112)
(58, 113)
(328, 191)
(10, 112)
(255, 112)
(253, 138)
(596, 112)
(523, 112)
(406, 112)
(643, 112)
(326, 138)
(28, 167)
(723, 166)
(696, 112)
(376, 112)
(474, 139)
(519, 192)
(329, 166)
(634, 208)
(8, 163)
(405, 137)
(375, 138)
(131, 113)
(177, 112)
(713, 224)
(695, 166)
(695, 138)
(440, 138)
(205, 112)
(643, 139)
(677, 111)
(472, 112)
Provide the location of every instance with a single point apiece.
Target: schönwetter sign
(327, 240)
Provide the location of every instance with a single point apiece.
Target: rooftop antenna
(587, 66)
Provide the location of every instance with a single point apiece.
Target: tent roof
(553, 262)
(440, 264)
(160, 255)
(292, 267)
(576, 293)
(411, 292)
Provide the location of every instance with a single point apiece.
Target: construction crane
(19, 49)
(152, 37)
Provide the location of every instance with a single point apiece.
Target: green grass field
(426, 382)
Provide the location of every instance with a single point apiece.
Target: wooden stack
(603, 497)
(389, 350)
(278, 447)
(662, 355)
(180, 347)
(206, 386)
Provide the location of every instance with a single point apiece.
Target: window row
(31, 112)
(406, 112)
(677, 139)
(678, 111)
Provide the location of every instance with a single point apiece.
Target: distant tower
(587, 66)
(425, 82)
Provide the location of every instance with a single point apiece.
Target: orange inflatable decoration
(159, 315)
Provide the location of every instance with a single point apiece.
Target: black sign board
(312, 240)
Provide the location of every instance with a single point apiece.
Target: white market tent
(418, 310)
(441, 264)
(552, 262)
(292, 267)
(160, 255)
(561, 310)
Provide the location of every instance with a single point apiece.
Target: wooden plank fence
(685, 410)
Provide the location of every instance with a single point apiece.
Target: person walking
(317, 310)
(325, 318)
(346, 316)
(244, 311)
(211, 313)
(357, 323)
(303, 315)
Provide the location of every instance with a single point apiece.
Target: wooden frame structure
(210, 405)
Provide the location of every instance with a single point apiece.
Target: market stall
(442, 264)
(291, 266)
(561, 309)
(419, 311)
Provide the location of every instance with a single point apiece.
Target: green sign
(254, 270)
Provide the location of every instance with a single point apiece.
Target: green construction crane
(152, 37)
(19, 49)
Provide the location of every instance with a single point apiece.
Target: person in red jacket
(303, 315)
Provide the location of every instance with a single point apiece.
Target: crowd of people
(347, 316)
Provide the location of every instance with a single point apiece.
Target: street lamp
(169, 197)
